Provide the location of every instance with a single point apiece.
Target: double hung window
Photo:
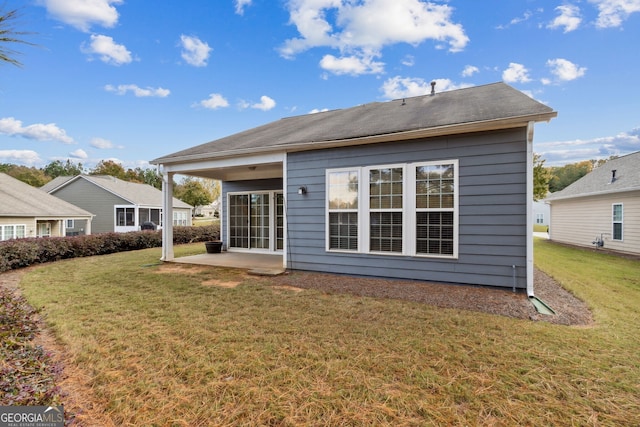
(342, 201)
(617, 221)
(12, 231)
(407, 209)
(435, 209)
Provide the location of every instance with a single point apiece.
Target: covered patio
(258, 263)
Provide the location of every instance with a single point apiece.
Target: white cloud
(516, 73)
(265, 104)
(558, 153)
(469, 71)
(352, 65)
(241, 4)
(409, 61)
(40, 132)
(214, 102)
(101, 143)
(27, 157)
(138, 91)
(569, 18)
(525, 17)
(613, 12)
(362, 29)
(82, 14)
(79, 154)
(405, 87)
(194, 51)
(318, 110)
(109, 51)
(565, 70)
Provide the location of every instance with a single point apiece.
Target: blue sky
(130, 81)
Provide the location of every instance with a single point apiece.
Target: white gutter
(530, 209)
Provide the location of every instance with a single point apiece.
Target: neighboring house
(541, 213)
(436, 187)
(119, 205)
(210, 210)
(601, 209)
(27, 211)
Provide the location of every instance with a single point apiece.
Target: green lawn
(159, 347)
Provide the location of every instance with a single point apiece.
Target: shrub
(28, 373)
(21, 253)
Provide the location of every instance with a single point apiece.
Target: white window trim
(456, 210)
(409, 209)
(14, 234)
(358, 211)
(366, 217)
(69, 221)
(272, 221)
(115, 217)
(621, 222)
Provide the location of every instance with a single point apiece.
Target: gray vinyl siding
(492, 209)
(94, 199)
(244, 187)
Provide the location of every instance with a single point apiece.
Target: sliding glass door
(254, 219)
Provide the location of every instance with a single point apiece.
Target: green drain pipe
(541, 306)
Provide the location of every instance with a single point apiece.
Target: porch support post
(87, 228)
(530, 209)
(167, 217)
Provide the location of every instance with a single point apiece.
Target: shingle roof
(135, 193)
(20, 199)
(488, 103)
(599, 181)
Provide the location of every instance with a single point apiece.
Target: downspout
(540, 306)
(167, 217)
(530, 209)
(285, 201)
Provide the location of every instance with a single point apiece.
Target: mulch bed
(569, 309)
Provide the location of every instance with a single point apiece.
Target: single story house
(601, 209)
(541, 213)
(119, 206)
(436, 187)
(27, 211)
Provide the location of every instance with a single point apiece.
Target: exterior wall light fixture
(302, 190)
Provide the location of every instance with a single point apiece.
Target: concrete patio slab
(248, 261)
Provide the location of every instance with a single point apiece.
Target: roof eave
(453, 129)
(592, 194)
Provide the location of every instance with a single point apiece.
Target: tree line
(194, 191)
(549, 179)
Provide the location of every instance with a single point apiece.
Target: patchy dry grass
(158, 348)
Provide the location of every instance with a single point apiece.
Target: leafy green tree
(109, 167)
(541, 177)
(213, 188)
(57, 168)
(193, 192)
(31, 175)
(150, 176)
(564, 176)
(144, 176)
(10, 37)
